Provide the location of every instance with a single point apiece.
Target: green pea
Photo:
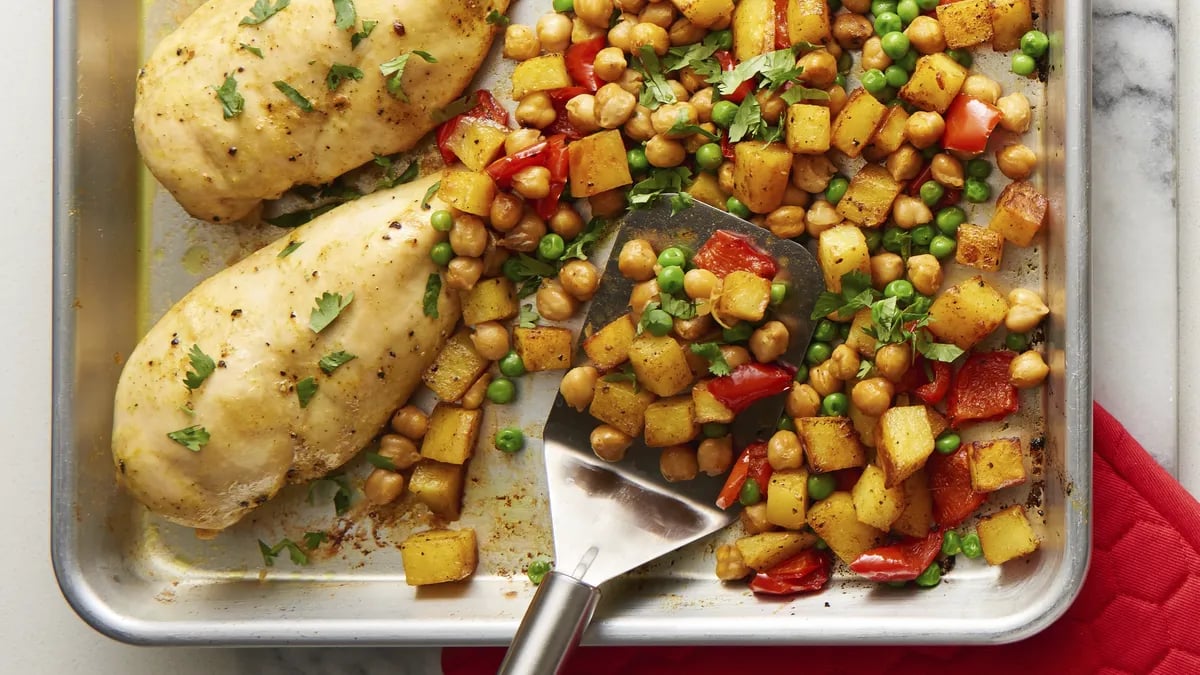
(948, 220)
(778, 292)
(979, 168)
(501, 390)
(844, 63)
(564, 5)
(737, 208)
(750, 494)
(786, 424)
(723, 113)
(835, 404)
(836, 189)
(908, 10)
(893, 238)
(1017, 342)
(510, 440)
(888, 22)
(922, 235)
(801, 373)
(670, 279)
(672, 256)
(1034, 44)
(932, 576)
(825, 331)
(977, 191)
(657, 322)
(538, 569)
(951, 543)
(896, 76)
(881, 6)
(820, 545)
(932, 192)
(927, 5)
(1023, 64)
(442, 220)
(908, 62)
(874, 81)
(942, 247)
(511, 364)
(709, 156)
(895, 44)
(818, 352)
(947, 443)
(714, 429)
(723, 39)
(636, 157)
(874, 239)
(971, 547)
(739, 333)
(840, 80)
(901, 289)
(442, 253)
(821, 485)
(962, 56)
(551, 247)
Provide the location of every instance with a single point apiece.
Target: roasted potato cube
(857, 122)
(915, 520)
(763, 551)
(753, 28)
(892, 133)
(708, 408)
(1020, 212)
(707, 189)
(937, 423)
(452, 434)
(660, 364)
(787, 498)
(808, 21)
(455, 369)
(808, 129)
(670, 421)
(541, 73)
(438, 556)
(934, 84)
(859, 340)
(1011, 19)
(835, 521)
(967, 313)
(1006, 535)
(979, 247)
(618, 404)
(876, 504)
(760, 174)
(905, 441)
(966, 23)
(609, 346)
(598, 164)
(864, 424)
(744, 296)
(869, 198)
(830, 443)
(489, 300)
(543, 348)
(470, 191)
(842, 249)
(996, 464)
(704, 13)
(438, 486)
(477, 142)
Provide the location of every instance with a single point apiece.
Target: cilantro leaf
(529, 317)
(855, 282)
(250, 48)
(263, 10)
(344, 14)
(332, 361)
(394, 71)
(717, 365)
(681, 201)
(645, 193)
(935, 351)
(771, 134)
(748, 121)
(582, 245)
(407, 176)
(683, 127)
(797, 94)
(367, 28)
(193, 438)
(526, 267)
(528, 287)
(306, 389)
(290, 249)
(677, 307)
(456, 107)
(656, 90)
(690, 56)
(294, 96)
(857, 293)
(828, 302)
(298, 218)
(329, 306)
(202, 367)
(779, 67)
(339, 72)
(433, 190)
(433, 291)
(625, 375)
(865, 369)
(313, 540)
(232, 102)
(495, 18)
(380, 462)
(342, 495)
(270, 553)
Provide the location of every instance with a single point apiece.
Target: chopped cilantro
(251, 48)
(748, 122)
(290, 249)
(681, 201)
(202, 367)
(433, 190)
(656, 90)
(306, 389)
(329, 306)
(263, 10)
(334, 360)
(270, 553)
(342, 495)
(797, 94)
(433, 290)
(367, 28)
(529, 317)
(394, 71)
(581, 246)
(312, 540)
(380, 462)
(645, 193)
(344, 14)
(495, 18)
(856, 294)
(717, 365)
(683, 127)
(298, 218)
(232, 102)
(339, 72)
(193, 438)
(294, 96)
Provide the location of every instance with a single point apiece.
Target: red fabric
(1138, 612)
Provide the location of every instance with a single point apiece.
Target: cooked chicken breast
(242, 102)
(270, 411)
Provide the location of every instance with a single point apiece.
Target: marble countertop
(1143, 371)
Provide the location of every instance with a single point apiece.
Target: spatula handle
(553, 624)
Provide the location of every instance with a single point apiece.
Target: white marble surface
(1135, 325)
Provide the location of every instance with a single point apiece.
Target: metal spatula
(611, 517)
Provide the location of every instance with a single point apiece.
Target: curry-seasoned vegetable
(438, 556)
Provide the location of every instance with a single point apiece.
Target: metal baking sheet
(124, 251)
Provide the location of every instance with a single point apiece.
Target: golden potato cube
(753, 28)
(704, 13)
(609, 347)
(490, 300)
(598, 164)
(707, 190)
(1006, 535)
(452, 434)
(934, 84)
(708, 408)
(856, 124)
(477, 142)
(868, 200)
(618, 404)
(830, 443)
(541, 73)
(892, 133)
(840, 250)
(917, 516)
(1011, 19)
(744, 296)
(864, 425)
(905, 441)
(835, 521)
(763, 551)
(859, 340)
(1020, 212)
(966, 23)
(979, 247)
(967, 313)
(438, 556)
(671, 421)
(808, 129)
(438, 486)
(470, 191)
(808, 21)
(543, 348)
(787, 498)
(760, 174)
(875, 503)
(937, 422)
(455, 369)
(660, 364)
(996, 464)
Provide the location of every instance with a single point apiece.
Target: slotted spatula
(608, 518)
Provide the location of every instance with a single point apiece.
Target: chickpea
(614, 106)
(1016, 162)
(702, 101)
(905, 163)
(520, 42)
(925, 273)
(698, 284)
(694, 142)
(873, 55)
(631, 81)
(735, 356)
(610, 63)
(383, 487)
(857, 6)
(660, 14)
(786, 222)
(536, 110)
(693, 329)
(678, 463)
(730, 566)
(663, 152)
(491, 340)
(607, 204)
(475, 395)
(924, 129)
(820, 69)
(1015, 114)
(892, 361)
(835, 50)
(821, 216)
(844, 363)
(581, 111)
(566, 222)
(715, 455)
(649, 35)
(506, 211)
(526, 234)
(908, 212)
(554, 303)
(582, 31)
(520, 139)
(580, 279)
(684, 32)
(410, 422)
(873, 396)
(811, 173)
(784, 451)
(837, 100)
(886, 268)
(754, 519)
(532, 182)
(578, 386)
(554, 32)
(1028, 370)
(494, 257)
(643, 294)
(822, 379)
(803, 401)
(669, 115)
(794, 196)
(609, 443)
(632, 6)
(725, 176)
(637, 260)
(691, 80)
(947, 170)
(594, 12)
(639, 127)
(401, 451)
(982, 87)
(619, 36)
(468, 237)
(925, 35)
(1025, 311)
(852, 30)
(769, 341)
(463, 273)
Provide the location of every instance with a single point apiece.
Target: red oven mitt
(1138, 612)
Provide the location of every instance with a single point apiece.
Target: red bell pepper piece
(782, 39)
(846, 478)
(981, 390)
(486, 107)
(950, 195)
(726, 147)
(969, 124)
(726, 252)
(899, 562)
(750, 382)
(558, 162)
(727, 64)
(751, 464)
(581, 62)
(806, 572)
(927, 380)
(950, 486)
(562, 124)
(503, 169)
